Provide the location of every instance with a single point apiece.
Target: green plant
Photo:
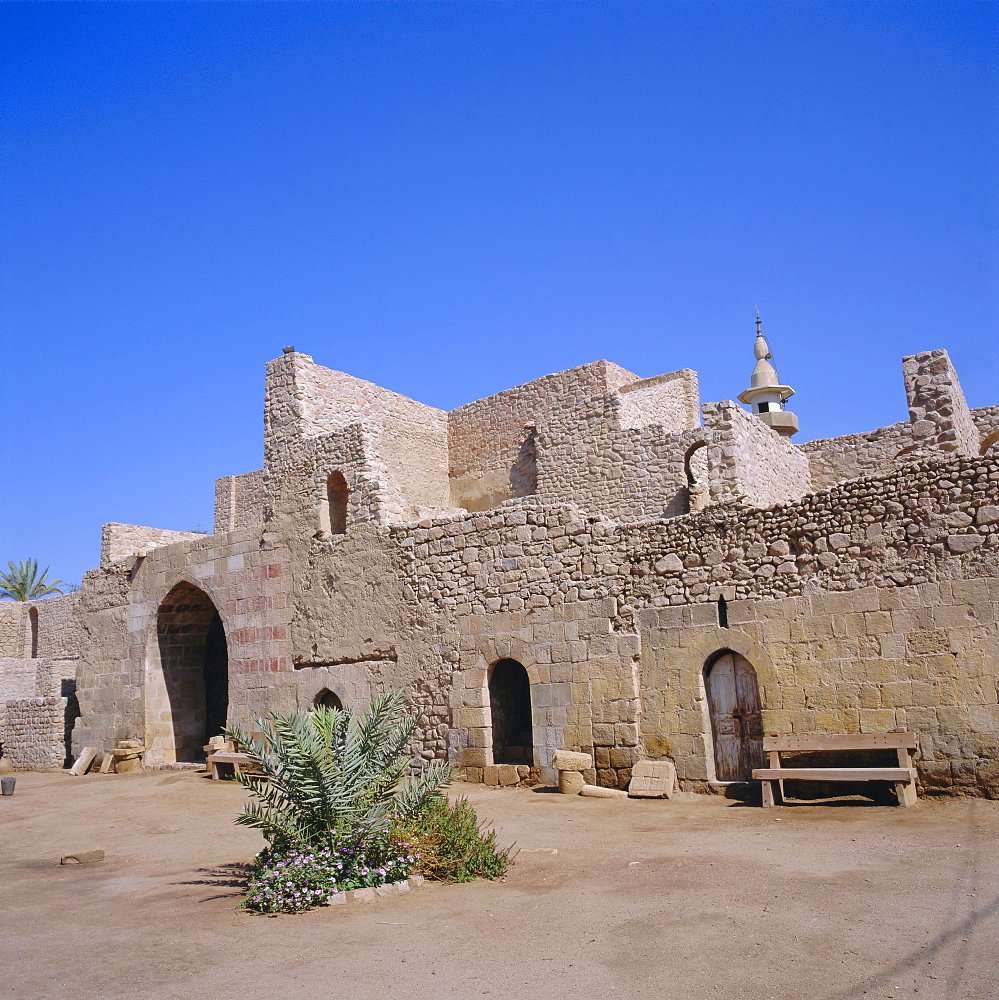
(22, 582)
(452, 845)
(335, 777)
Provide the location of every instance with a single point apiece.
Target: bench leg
(768, 794)
(905, 791)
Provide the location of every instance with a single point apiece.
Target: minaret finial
(759, 323)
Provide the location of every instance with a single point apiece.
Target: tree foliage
(22, 582)
(334, 776)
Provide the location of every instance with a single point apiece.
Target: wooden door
(736, 724)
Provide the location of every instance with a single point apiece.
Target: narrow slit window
(336, 503)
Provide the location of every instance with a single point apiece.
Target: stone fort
(592, 561)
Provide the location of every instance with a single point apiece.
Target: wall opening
(33, 625)
(736, 720)
(722, 613)
(510, 713)
(327, 699)
(524, 471)
(187, 696)
(333, 510)
(989, 441)
(695, 468)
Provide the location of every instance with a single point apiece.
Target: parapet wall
(486, 438)
(239, 501)
(123, 542)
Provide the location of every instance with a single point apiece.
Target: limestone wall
(986, 420)
(670, 401)
(858, 456)
(305, 401)
(120, 543)
(486, 438)
(33, 733)
(240, 501)
(748, 459)
(12, 628)
(922, 658)
(941, 421)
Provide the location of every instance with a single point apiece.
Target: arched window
(327, 699)
(695, 467)
(334, 507)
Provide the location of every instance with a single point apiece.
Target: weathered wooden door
(736, 725)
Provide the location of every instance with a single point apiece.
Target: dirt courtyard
(695, 898)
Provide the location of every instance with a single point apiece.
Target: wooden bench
(904, 776)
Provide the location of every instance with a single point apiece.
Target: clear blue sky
(450, 199)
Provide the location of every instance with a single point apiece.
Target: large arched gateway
(187, 676)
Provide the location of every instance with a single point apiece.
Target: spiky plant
(22, 582)
(334, 776)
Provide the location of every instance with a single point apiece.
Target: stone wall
(858, 456)
(941, 421)
(485, 438)
(33, 734)
(922, 658)
(587, 568)
(749, 460)
(239, 501)
(12, 628)
(306, 401)
(121, 543)
(986, 420)
(671, 401)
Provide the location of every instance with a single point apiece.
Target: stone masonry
(576, 552)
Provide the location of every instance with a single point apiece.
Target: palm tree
(22, 582)
(335, 774)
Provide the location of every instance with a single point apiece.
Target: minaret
(765, 393)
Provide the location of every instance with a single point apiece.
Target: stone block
(507, 774)
(86, 758)
(652, 779)
(569, 760)
(364, 895)
(599, 792)
(570, 782)
(82, 857)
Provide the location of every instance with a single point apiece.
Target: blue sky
(450, 199)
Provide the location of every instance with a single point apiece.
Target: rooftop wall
(305, 401)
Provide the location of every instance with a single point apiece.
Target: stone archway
(187, 676)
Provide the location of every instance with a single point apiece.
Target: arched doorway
(187, 696)
(327, 699)
(736, 723)
(510, 713)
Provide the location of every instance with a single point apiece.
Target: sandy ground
(694, 898)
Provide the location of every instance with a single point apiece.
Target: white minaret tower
(765, 393)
